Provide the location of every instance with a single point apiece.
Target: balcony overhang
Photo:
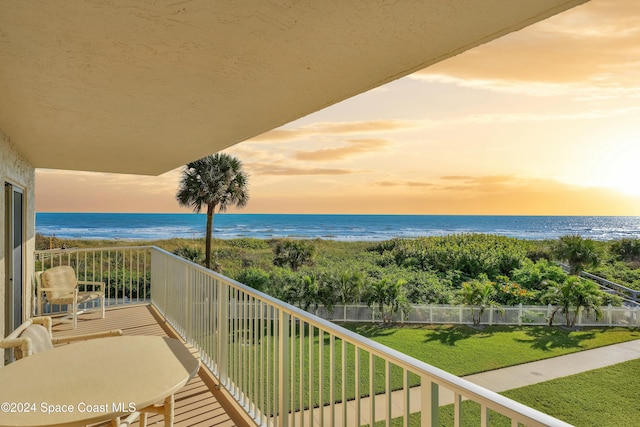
(143, 87)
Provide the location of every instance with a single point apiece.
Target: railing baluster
(457, 409)
(302, 403)
(332, 376)
(344, 383)
(356, 377)
(406, 388)
(430, 396)
(372, 391)
(484, 416)
(321, 375)
(311, 376)
(388, 392)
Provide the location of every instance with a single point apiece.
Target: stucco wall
(15, 169)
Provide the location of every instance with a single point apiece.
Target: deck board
(196, 404)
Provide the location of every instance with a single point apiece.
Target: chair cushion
(40, 340)
(62, 278)
(89, 296)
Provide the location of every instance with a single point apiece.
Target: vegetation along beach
(447, 269)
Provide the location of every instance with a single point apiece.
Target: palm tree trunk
(207, 250)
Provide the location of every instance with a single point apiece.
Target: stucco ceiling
(142, 86)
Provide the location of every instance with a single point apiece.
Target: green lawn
(463, 350)
(602, 397)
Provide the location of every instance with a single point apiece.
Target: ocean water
(334, 227)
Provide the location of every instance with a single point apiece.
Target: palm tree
(572, 296)
(389, 296)
(215, 181)
(479, 293)
(578, 252)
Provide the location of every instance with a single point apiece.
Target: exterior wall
(15, 169)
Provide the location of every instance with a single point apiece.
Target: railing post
(429, 394)
(188, 305)
(223, 330)
(520, 314)
(284, 337)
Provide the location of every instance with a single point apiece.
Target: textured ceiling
(146, 86)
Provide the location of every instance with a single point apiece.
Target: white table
(92, 381)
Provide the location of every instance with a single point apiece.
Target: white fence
(460, 314)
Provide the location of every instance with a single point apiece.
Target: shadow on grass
(547, 338)
(373, 330)
(451, 335)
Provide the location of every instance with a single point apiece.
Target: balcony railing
(124, 270)
(286, 367)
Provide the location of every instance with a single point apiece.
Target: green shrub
(253, 277)
(191, 253)
(293, 253)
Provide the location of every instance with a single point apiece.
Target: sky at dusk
(544, 121)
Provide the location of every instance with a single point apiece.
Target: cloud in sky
(333, 129)
(351, 148)
(271, 169)
(403, 183)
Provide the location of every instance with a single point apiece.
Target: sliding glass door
(14, 259)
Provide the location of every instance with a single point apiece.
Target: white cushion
(62, 278)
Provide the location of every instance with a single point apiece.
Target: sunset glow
(543, 122)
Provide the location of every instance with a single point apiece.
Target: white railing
(286, 367)
(460, 314)
(124, 270)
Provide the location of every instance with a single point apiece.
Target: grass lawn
(602, 397)
(463, 350)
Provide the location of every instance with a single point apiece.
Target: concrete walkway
(556, 367)
(497, 380)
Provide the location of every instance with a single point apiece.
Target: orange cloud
(333, 128)
(355, 146)
(489, 183)
(404, 184)
(272, 169)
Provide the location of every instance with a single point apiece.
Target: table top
(92, 381)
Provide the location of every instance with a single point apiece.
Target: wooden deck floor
(198, 403)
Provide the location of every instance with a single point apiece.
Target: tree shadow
(547, 338)
(452, 334)
(375, 330)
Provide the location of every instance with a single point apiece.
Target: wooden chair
(60, 286)
(34, 336)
